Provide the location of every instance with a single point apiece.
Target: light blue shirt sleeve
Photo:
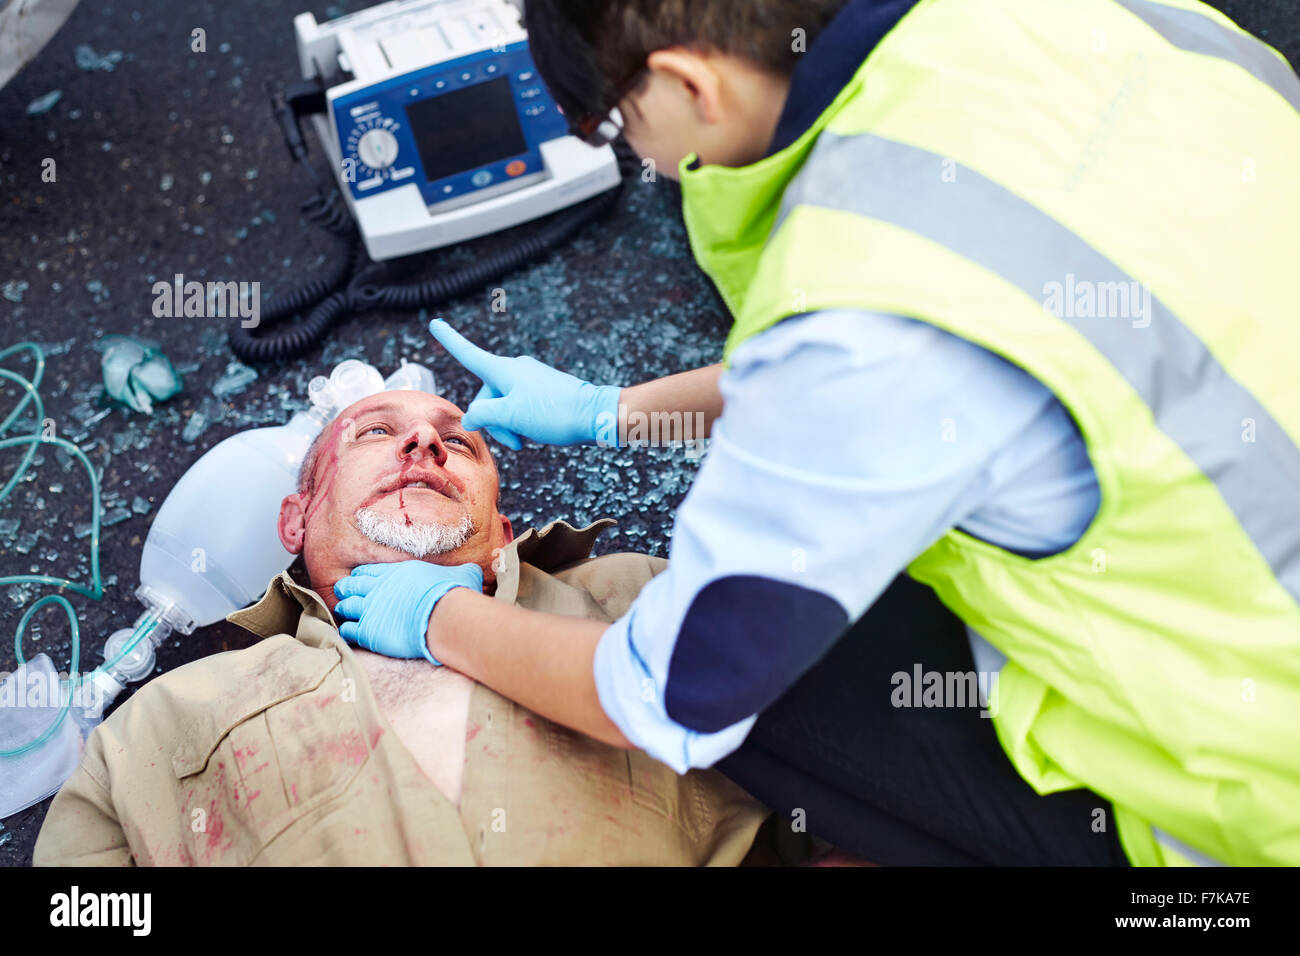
(849, 443)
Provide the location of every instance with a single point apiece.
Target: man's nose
(424, 440)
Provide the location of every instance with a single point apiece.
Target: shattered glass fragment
(57, 348)
(238, 377)
(88, 59)
(115, 516)
(19, 593)
(140, 506)
(43, 104)
(212, 341)
(88, 416)
(197, 424)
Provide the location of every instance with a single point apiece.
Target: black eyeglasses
(602, 128)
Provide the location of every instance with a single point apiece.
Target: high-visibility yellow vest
(1106, 193)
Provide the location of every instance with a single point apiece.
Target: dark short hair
(584, 48)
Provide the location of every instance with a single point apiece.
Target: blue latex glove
(389, 604)
(522, 397)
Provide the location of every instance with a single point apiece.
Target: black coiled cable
(351, 287)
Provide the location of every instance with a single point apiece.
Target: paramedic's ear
(292, 523)
(696, 75)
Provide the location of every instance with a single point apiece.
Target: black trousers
(909, 785)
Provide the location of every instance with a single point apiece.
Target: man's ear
(507, 528)
(292, 523)
(697, 76)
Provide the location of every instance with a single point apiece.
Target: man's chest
(428, 708)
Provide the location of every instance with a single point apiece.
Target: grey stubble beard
(418, 539)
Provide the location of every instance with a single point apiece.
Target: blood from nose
(401, 500)
(435, 448)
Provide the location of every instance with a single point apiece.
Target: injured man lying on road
(302, 749)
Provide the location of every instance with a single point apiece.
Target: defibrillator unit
(438, 127)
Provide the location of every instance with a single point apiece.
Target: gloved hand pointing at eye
(522, 398)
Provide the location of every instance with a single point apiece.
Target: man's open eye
(369, 428)
(460, 438)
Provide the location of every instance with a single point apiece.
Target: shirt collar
(831, 61)
(555, 545)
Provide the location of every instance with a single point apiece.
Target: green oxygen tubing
(96, 591)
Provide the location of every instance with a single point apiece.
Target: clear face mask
(199, 564)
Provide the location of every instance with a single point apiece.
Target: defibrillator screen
(466, 128)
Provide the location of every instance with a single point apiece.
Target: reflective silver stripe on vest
(1192, 399)
(1197, 33)
(1178, 846)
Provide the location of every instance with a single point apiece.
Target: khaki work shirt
(278, 754)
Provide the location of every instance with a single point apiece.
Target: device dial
(377, 148)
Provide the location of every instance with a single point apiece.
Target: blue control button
(481, 178)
